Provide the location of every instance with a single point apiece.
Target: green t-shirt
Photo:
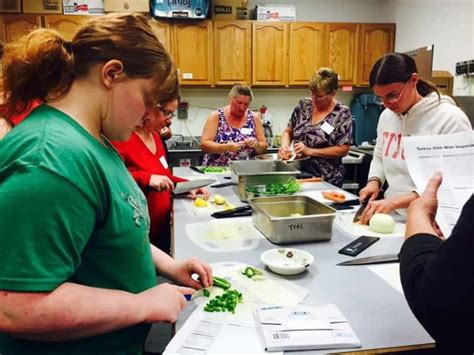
(70, 212)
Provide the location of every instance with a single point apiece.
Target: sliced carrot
(334, 196)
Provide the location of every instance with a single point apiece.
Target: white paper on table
(389, 273)
(272, 290)
(305, 328)
(344, 220)
(453, 155)
(225, 235)
(218, 333)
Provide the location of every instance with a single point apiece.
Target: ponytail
(37, 66)
(425, 88)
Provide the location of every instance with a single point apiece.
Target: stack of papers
(305, 328)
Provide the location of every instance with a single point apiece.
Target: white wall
(336, 10)
(280, 103)
(448, 24)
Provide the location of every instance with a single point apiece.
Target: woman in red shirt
(145, 157)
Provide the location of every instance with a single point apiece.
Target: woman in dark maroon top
(321, 128)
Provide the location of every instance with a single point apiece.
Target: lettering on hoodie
(392, 143)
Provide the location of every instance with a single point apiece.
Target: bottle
(267, 126)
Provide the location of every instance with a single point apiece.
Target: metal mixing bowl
(296, 163)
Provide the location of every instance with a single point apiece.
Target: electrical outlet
(183, 108)
(470, 66)
(461, 68)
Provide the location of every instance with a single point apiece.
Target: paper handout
(305, 328)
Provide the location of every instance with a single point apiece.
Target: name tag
(164, 162)
(326, 127)
(247, 131)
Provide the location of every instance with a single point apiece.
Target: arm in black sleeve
(438, 282)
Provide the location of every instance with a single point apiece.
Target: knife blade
(376, 259)
(186, 186)
(361, 209)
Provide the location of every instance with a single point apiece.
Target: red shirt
(142, 164)
(32, 104)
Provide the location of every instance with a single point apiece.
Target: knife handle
(224, 184)
(359, 245)
(233, 212)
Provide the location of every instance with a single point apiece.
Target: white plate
(287, 261)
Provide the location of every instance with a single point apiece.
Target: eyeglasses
(319, 97)
(393, 98)
(166, 113)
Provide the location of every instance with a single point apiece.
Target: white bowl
(287, 261)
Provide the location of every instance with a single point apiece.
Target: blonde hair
(42, 65)
(241, 90)
(324, 79)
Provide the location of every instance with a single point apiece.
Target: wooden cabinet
(269, 53)
(15, 26)
(232, 61)
(376, 40)
(192, 52)
(210, 53)
(306, 52)
(66, 25)
(342, 48)
(163, 32)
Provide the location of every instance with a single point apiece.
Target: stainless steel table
(377, 312)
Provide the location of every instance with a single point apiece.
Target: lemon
(200, 202)
(228, 206)
(219, 200)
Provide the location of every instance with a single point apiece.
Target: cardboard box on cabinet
(83, 7)
(230, 10)
(275, 12)
(10, 6)
(43, 7)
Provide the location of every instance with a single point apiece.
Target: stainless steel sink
(178, 142)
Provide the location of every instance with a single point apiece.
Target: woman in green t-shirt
(77, 272)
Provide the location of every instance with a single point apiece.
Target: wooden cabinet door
(15, 26)
(269, 53)
(67, 25)
(376, 40)
(307, 51)
(342, 46)
(163, 32)
(192, 52)
(232, 42)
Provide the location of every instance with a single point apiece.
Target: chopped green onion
(227, 302)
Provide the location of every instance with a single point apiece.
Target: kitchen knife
(376, 259)
(186, 186)
(359, 212)
(196, 169)
(349, 203)
(224, 184)
(240, 211)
